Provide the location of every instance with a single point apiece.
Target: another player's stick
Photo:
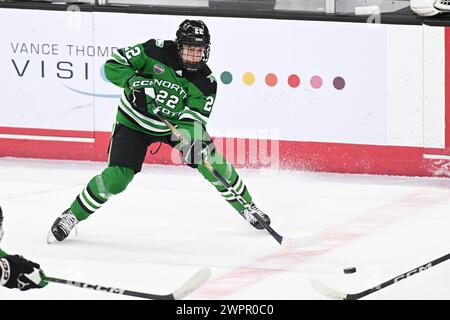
(192, 284)
(339, 295)
(284, 241)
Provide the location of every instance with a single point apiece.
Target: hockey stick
(193, 283)
(338, 295)
(285, 242)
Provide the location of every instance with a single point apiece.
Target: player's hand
(139, 82)
(195, 152)
(20, 273)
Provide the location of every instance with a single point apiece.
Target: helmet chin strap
(191, 66)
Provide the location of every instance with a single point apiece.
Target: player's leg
(227, 171)
(126, 154)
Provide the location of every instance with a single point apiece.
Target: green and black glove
(16, 272)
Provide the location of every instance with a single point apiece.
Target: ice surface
(170, 222)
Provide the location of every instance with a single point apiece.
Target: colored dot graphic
(271, 80)
(339, 83)
(248, 78)
(293, 80)
(316, 82)
(226, 77)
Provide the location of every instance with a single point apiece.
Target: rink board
(367, 98)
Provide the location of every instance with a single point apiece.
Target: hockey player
(18, 272)
(174, 77)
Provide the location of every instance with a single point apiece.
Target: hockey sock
(227, 171)
(111, 181)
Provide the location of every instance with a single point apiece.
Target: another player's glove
(140, 81)
(195, 152)
(20, 273)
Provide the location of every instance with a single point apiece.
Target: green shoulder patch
(159, 43)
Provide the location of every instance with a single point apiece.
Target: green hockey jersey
(182, 96)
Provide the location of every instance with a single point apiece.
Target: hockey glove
(20, 273)
(195, 152)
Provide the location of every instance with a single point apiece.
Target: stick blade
(199, 278)
(327, 291)
(301, 242)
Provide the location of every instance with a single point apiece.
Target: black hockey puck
(350, 270)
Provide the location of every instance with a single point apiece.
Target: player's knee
(116, 179)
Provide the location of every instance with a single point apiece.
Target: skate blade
(51, 238)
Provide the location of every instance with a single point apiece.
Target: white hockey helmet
(425, 8)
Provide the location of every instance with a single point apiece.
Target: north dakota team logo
(158, 69)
